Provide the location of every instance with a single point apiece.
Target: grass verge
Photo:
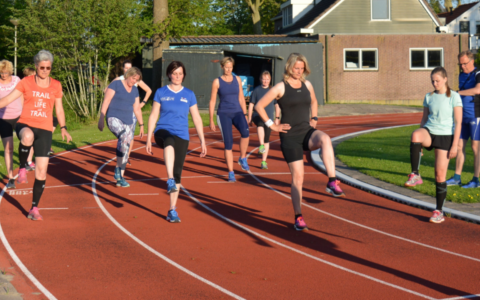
(82, 134)
(385, 155)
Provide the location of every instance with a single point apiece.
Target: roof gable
(451, 16)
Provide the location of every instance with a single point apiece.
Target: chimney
(448, 5)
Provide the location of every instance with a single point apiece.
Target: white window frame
(425, 67)
(381, 20)
(360, 59)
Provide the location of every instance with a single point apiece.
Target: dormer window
(380, 10)
(287, 16)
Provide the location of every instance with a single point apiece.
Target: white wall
(472, 15)
(299, 7)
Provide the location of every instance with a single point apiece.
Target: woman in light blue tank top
(232, 110)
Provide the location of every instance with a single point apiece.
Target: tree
(254, 6)
(436, 6)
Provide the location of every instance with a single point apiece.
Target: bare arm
(151, 125)
(241, 96)
(457, 114)
(197, 121)
(10, 98)
(148, 92)
(61, 119)
(274, 93)
(138, 113)
(313, 104)
(471, 92)
(250, 112)
(106, 103)
(213, 101)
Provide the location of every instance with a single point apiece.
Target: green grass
(385, 155)
(82, 134)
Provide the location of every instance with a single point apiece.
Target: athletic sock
(475, 179)
(23, 152)
(38, 188)
(457, 177)
(332, 179)
(296, 216)
(415, 156)
(441, 188)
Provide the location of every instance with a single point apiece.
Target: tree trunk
(254, 6)
(160, 13)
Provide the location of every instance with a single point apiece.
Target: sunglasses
(45, 68)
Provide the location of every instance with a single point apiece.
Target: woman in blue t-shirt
(440, 130)
(173, 102)
(120, 103)
(232, 110)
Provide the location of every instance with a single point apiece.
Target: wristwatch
(63, 127)
(315, 118)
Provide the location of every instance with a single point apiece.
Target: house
(356, 17)
(464, 19)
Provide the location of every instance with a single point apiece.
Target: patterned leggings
(124, 133)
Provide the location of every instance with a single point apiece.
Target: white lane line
(220, 182)
(129, 234)
(361, 225)
(303, 253)
(17, 260)
(143, 194)
(52, 208)
(462, 297)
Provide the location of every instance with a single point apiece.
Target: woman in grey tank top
(297, 100)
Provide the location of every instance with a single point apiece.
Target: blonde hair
(28, 71)
(292, 59)
(442, 72)
(466, 53)
(266, 73)
(226, 60)
(132, 72)
(7, 66)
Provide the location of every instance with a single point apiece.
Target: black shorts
(163, 138)
(442, 142)
(259, 122)
(293, 146)
(42, 139)
(7, 126)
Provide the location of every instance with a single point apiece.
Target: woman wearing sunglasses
(41, 94)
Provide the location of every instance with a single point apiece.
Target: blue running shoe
(123, 183)
(452, 181)
(472, 184)
(118, 174)
(172, 216)
(243, 163)
(171, 186)
(231, 177)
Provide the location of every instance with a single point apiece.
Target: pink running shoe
(34, 214)
(22, 176)
(413, 180)
(30, 167)
(437, 217)
(300, 224)
(334, 189)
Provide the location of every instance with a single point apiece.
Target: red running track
(237, 240)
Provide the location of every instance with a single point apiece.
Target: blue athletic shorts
(225, 122)
(471, 129)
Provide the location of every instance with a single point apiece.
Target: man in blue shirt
(469, 90)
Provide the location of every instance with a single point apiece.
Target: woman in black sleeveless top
(297, 100)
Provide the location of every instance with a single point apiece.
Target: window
(360, 59)
(380, 10)
(287, 16)
(424, 59)
(478, 28)
(465, 26)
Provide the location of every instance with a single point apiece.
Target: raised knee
(325, 140)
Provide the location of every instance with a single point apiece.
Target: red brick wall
(394, 82)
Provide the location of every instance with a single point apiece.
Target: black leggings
(163, 138)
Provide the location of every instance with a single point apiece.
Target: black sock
(415, 156)
(441, 194)
(332, 179)
(296, 216)
(23, 152)
(38, 188)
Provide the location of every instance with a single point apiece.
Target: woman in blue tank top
(232, 110)
(297, 100)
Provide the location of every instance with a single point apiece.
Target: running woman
(127, 64)
(9, 116)
(297, 100)
(41, 94)
(120, 103)
(272, 110)
(469, 83)
(173, 102)
(231, 110)
(440, 130)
